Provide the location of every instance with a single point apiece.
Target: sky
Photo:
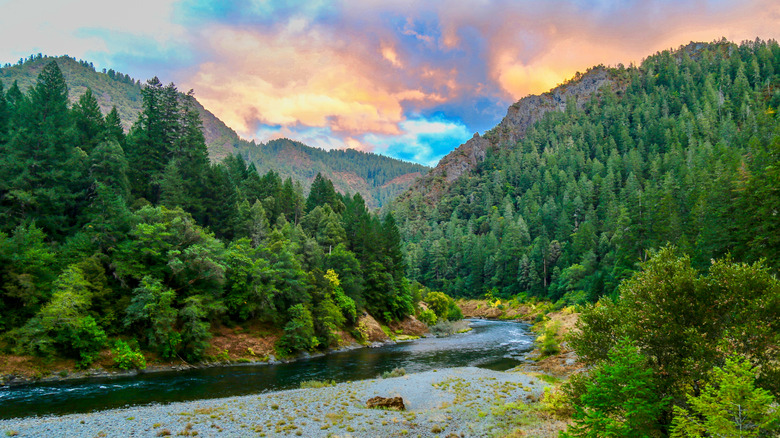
(408, 79)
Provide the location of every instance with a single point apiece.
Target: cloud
(90, 29)
(295, 77)
(421, 140)
(370, 74)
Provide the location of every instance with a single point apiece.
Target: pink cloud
(364, 73)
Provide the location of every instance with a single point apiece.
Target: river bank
(230, 346)
(463, 401)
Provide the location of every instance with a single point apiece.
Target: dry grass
(484, 309)
(409, 326)
(253, 342)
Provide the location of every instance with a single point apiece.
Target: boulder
(396, 403)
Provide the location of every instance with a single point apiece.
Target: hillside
(376, 178)
(519, 118)
(576, 186)
(119, 242)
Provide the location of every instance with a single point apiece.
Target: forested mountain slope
(377, 178)
(574, 187)
(138, 240)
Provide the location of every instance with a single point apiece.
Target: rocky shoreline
(463, 401)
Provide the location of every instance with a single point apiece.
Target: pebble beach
(442, 403)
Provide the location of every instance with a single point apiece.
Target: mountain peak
(520, 116)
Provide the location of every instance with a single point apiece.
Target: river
(497, 345)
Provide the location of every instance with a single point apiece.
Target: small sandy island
(451, 402)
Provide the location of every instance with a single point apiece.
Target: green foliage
(439, 303)
(26, 265)
(683, 148)
(556, 402)
(299, 331)
(151, 310)
(453, 311)
(141, 236)
(428, 317)
(620, 398)
(126, 358)
(443, 306)
(549, 339)
(729, 406)
(249, 283)
(396, 372)
(64, 324)
(345, 303)
(685, 322)
(306, 384)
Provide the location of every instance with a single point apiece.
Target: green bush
(126, 358)
(549, 339)
(453, 312)
(439, 303)
(681, 319)
(397, 372)
(620, 398)
(317, 383)
(428, 317)
(64, 324)
(730, 406)
(299, 331)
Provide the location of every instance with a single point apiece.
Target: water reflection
(495, 345)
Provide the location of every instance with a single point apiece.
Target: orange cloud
(362, 75)
(575, 42)
(298, 78)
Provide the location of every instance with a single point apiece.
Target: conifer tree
(89, 123)
(113, 126)
(4, 115)
(43, 176)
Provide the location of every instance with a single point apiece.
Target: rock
(373, 330)
(396, 403)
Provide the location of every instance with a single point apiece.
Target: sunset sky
(409, 79)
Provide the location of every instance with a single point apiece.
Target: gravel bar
(447, 402)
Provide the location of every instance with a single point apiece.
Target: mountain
(519, 118)
(576, 186)
(375, 177)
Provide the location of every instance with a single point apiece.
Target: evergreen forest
(651, 208)
(681, 149)
(377, 178)
(137, 240)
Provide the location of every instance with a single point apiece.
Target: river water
(497, 345)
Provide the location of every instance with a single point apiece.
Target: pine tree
(43, 175)
(113, 126)
(4, 115)
(89, 123)
(151, 141)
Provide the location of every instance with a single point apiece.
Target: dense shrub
(126, 358)
(620, 398)
(428, 317)
(730, 405)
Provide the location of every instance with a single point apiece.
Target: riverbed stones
(396, 403)
(458, 401)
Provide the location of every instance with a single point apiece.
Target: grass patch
(397, 372)
(317, 384)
